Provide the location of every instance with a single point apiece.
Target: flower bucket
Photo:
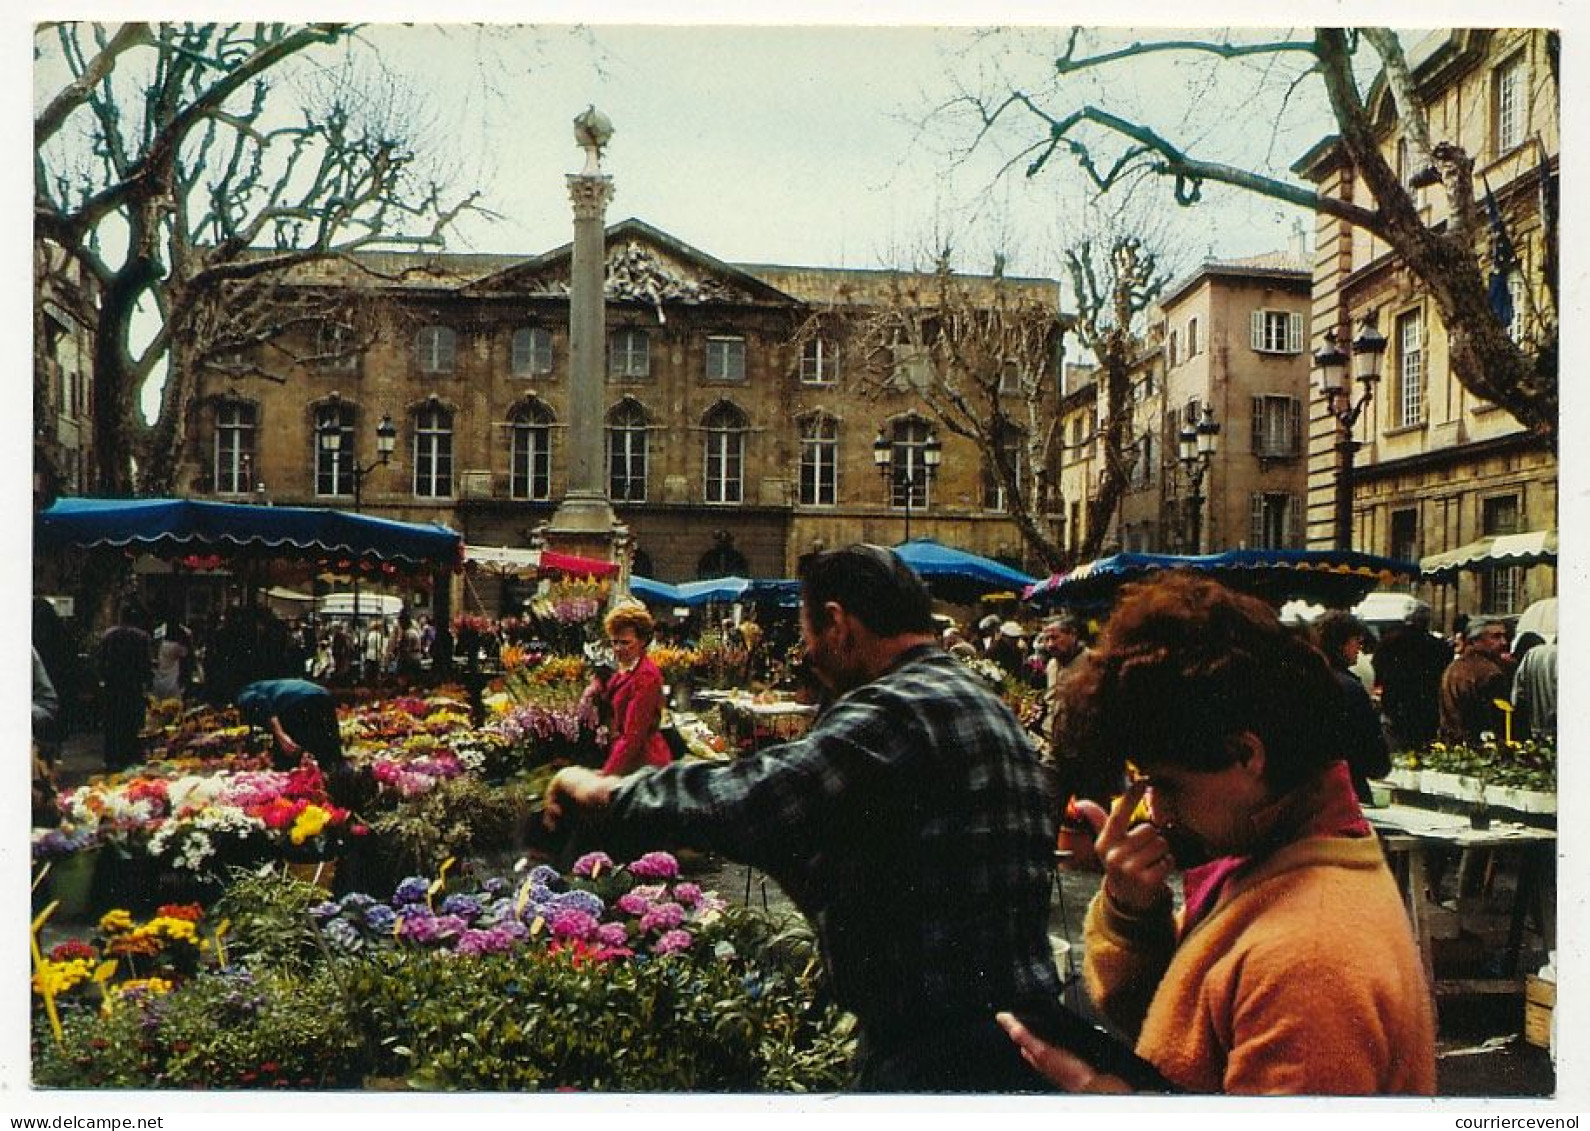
(72, 884)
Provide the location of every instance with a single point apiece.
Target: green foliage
(222, 1030)
(1516, 765)
(268, 912)
(460, 817)
(536, 1020)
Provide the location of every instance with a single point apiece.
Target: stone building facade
(734, 441)
(1228, 336)
(1439, 468)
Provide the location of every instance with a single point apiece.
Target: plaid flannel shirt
(913, 827)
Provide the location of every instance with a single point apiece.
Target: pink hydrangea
(633, 903)
(688, 894)
(612, 934)
(672, 941)
(662, 917)
(568, 923)
(655, 866)
(593, 863)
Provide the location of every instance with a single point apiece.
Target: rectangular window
(235, 437)
(530, 461)
(994, 493)
(1143, 465)
(626, 467)
(819, 362)
(336, 349)
(1501, 589)
(1518, 294)
(1511, 112)
(433, 455)
(1499, 514)
(725, 359)
(1074, 528)
(629, 354)
(1192, 337)
(1171, 357)
(435, 349)
(1410, 370)
(1405, 534)
(819, 473)
(1277, 427)
(334, 470)
(1273, 521)
(1276, 331)
(531, 352)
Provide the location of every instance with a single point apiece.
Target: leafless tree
(186, 167)
(981, 354)
(1449, 256)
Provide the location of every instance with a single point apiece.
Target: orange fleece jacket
(1304, 979)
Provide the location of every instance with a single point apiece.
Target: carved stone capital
(590, 195)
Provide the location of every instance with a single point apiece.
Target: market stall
(958, 576)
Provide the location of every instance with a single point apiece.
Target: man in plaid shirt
(912, 826)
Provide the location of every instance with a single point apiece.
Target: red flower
(192, 912)
(72, 949)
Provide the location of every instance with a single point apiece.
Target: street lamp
(329, 436)
(914, 476)
(1195, 449)
(1331, 363)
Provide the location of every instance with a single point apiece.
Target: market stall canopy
(1534, 547)
(369, 605)
(517, 560)
(176, 527)
(957, 575)
(1337, 578)
(652, 592)
(707, 591)
(785, 592)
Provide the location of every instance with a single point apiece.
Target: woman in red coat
(635, 691)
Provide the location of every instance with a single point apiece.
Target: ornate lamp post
(914, 476)
(1195, 449)
(329, 436)
(1331, 364)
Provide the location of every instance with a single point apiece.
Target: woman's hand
(1137, 859)
(1059, 1066)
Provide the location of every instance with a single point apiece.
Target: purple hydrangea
(655, 866)
(492, 941)
(430, 928)
(545, 875)
(672, 941)
(380, 918)
(612, 934)
(662, 917)
(412, 890)
(494, 885)
(355, 902)
(588, 902)
(688, 894)
(464, 906)
(592, 863)
(567, 923)
(323, 911)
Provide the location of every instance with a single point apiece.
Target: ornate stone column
(584, 523)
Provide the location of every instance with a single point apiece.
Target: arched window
(433, 452)
(819, 472)
(725, 455)
(334, 470)
(531, 355)
(236, 439)
(911, 481)
(434, 349)
(530, 453)
(627, 433)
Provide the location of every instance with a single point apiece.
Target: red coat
(637, 698)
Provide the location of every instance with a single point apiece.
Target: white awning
(1534, 547)
(503, 559)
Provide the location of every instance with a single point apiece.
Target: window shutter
(1256, 521)
(1294, 409)
(446, 343)
(1288, 522)
(1294, 333)
(1261, 445)
(1256, 330)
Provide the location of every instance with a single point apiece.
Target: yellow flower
(154, 986)
(310, 823)
(115, 921)
(55, 978)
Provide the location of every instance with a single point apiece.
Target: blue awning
(1339, 578)
(171, 528)
(651, 592)
(957, 575)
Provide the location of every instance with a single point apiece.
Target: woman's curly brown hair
(1183, 665)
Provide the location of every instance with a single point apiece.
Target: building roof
(1285, 267)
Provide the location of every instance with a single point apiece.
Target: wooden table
(1408, 835)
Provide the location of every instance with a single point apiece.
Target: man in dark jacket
(1341, 637)
(1474, 682)
(1409, 663)
(126, 669)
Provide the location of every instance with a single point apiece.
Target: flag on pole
(1503, 260)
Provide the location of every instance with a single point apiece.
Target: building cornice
(1452, 456)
